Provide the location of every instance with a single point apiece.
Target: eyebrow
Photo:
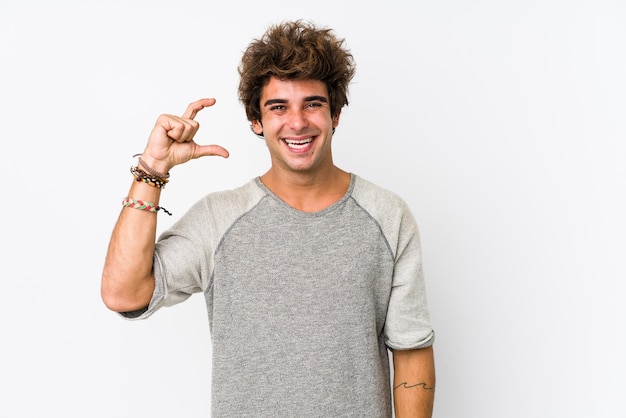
(270, 102)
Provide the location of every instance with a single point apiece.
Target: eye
(313, 104)
(278, 107)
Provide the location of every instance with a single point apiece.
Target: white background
(502, 123)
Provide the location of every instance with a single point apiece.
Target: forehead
(293, 90)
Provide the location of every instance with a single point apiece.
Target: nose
(297, 120)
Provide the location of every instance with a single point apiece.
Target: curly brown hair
(296, 50)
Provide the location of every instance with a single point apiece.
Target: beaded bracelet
(154, 181)
(143, 205)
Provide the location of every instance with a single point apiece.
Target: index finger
(195, 107)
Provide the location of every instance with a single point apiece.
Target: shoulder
(388, 210)
(241, 197)
(224, 207)
(377, 200)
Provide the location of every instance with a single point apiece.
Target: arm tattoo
(405, 385)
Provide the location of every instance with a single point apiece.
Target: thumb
(207, 150)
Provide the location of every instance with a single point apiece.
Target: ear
(256, 126)
(336, 119)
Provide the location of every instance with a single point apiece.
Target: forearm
(414, 383)
(127, 278)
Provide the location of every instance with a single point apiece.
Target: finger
(187, 131)
(195, 107)
(177, 129)
(207, 150)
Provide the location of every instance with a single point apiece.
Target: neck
(305, 192)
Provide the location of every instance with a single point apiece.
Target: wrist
(153, 166)
(141, 190)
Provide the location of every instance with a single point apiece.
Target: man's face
(297, 125)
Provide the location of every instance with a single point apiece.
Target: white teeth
(298, 144)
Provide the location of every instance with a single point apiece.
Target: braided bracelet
(154, 181)
(143, 205)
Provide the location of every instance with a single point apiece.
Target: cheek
(272, 124)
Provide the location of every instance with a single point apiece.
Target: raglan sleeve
(407, 324)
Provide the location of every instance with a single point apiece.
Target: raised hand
(171, 140)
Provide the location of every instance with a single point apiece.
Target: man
(309, 273)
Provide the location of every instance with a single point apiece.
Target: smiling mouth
(298, 145)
